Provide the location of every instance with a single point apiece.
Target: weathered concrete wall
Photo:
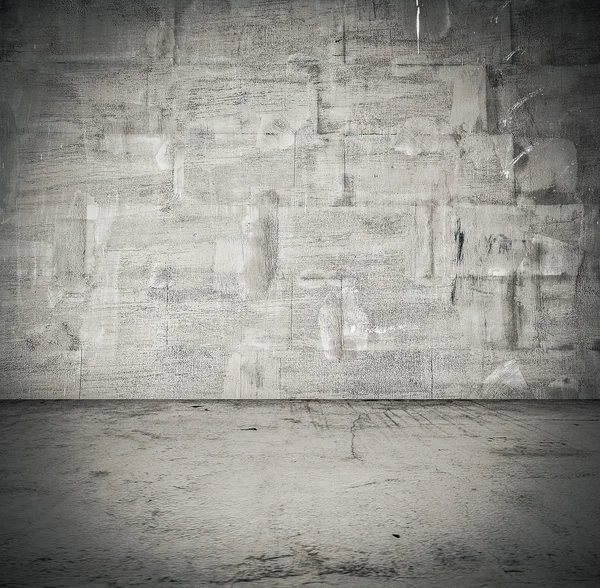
(317, 198)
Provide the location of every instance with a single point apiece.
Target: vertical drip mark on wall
(344, 176)
(459, 237)
(431, 240)
(260, 244)
(537, 287)
(80, 367)
(579, 279)
(8, 156)
(344, 34)
(294, 164)
(292, 314)
(167, 315)
(453, 292)
(348, 197)
(512, 324)
(418, 27)
(318, 117)
(537, 276)
(431, 372)
(341, 316)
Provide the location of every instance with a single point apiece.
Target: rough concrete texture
(299, 199)
(298, 493)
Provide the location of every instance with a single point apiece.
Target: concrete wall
(299, 199)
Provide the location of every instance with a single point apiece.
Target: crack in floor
(353, 437)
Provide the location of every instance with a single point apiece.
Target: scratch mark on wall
(310, 279)
(507, 170)
(513, 53)
(518, 104)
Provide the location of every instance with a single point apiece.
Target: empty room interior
(300, 293)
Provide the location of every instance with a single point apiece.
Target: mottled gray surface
(414, 494)
(299, 199)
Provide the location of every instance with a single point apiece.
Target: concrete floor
(106, 494)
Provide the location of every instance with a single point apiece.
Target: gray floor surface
(409, 494)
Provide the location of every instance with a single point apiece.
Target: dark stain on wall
(459, 237)
(9, 153)
(499, 244)
(514, 311)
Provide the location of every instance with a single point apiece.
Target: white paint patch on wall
(164, 156)
(506, 381)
